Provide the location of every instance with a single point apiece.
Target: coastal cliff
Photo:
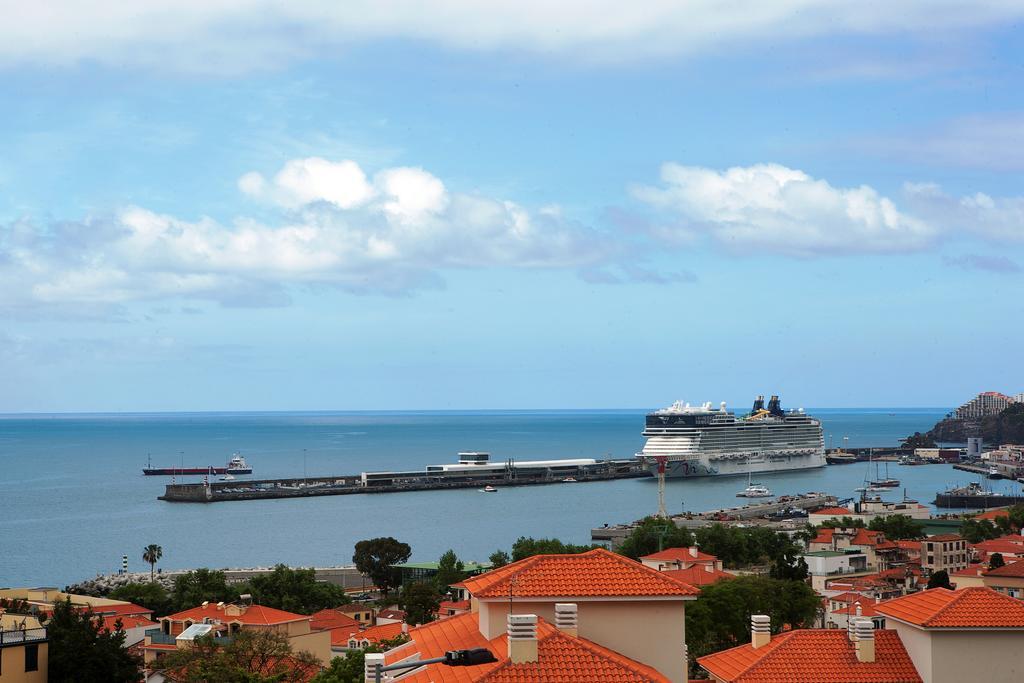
(1006, 427)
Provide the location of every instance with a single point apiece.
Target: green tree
(82, 651)
(996, 561)
(720, 616)
(450, 569)
(940, 579)
(152, 554)
(790, 566)
(251, 656)
(499, 558)
(375, 557)
(653, 534)
(978, 530)
(919, 440)
(898, 527)
(294, 590)
(745, 546)
(528, 547)
(198, 585)
(347, 669)
(420, 601)
(150, 595)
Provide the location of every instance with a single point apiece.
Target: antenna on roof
(511, 586)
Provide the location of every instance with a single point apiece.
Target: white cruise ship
(700, 441)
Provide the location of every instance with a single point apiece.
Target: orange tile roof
(867, 608)
(680, 554)
(970, 570)
(813, 656)
(330, 619)
(1013, 569)
(867, 537)
(993, 514)
(966, 608)
(595, 573)
(253, 615)
(832, 511)
(998, 545)
(824, 535)
(945, 537)
(561, 658)
(122, 608)
(375, 634)
(342, 634)
(908, 545)
(128, 621)
(698, 575)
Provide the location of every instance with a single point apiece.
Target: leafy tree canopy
(420, 601)
(844, 523)
(745, 546)
(251, 657)
(940, 579)
(347, 669)
(898, 527)
(150, 595)
(790, 566)
(82, 651)
(919, 440)
(653, 534)
(295, 590)
(499, 558)
(375, 557)
(199, 585)
(720, 617)
(996, 561)
(528, 547)
(450, 570)
(978, 530)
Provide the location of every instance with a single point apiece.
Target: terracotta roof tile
(681, 554)
(699, 575)
(253, 614)
(1014, 569)
(813, 656)
(966, 608)
(945, 537)
(330, 619)
(867, 608)
(561, 658)
(993, 514)
(833, 511)
(598, 572)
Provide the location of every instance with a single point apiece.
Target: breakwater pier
(777, 510)
(473, 470)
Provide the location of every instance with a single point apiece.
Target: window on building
(32, 657)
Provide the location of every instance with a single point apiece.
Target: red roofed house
(963, 635)
(228, 619)
(1008, 579)
(1011, 545)
(879, 552)
(699, 575)
(452, 608)
(814, 656)
(374, 635)
(580, 615)
(680, 558)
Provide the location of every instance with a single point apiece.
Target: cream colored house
(618, 604)
(964, 635)
(24, 649)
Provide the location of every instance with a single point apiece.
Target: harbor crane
(662, 461)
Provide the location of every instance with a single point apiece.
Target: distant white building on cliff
(984, 404)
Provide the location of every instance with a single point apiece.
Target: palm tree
(152, 554)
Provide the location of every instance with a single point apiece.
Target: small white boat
(489, 489)
(569, 480)
(227, 477)
(755, 491)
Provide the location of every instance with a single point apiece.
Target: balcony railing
(22, 636)
(158, 637)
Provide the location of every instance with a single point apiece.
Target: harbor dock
(612, 536)
(473, 471)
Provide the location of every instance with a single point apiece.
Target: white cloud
(771, 207)
(989, 141)
(1000, 219)
(335, 228)
(237, 35)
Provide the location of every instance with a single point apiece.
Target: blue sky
(231, 205)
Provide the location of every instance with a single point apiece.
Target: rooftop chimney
(567, 618)
(865, 644)
(693, 551)
(371, 661)
(522, 638)
(760, 630)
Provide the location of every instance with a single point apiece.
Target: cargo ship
(974, 496)
(236, 465)
(700, 441)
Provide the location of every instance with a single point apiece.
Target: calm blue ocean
(73, 498)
